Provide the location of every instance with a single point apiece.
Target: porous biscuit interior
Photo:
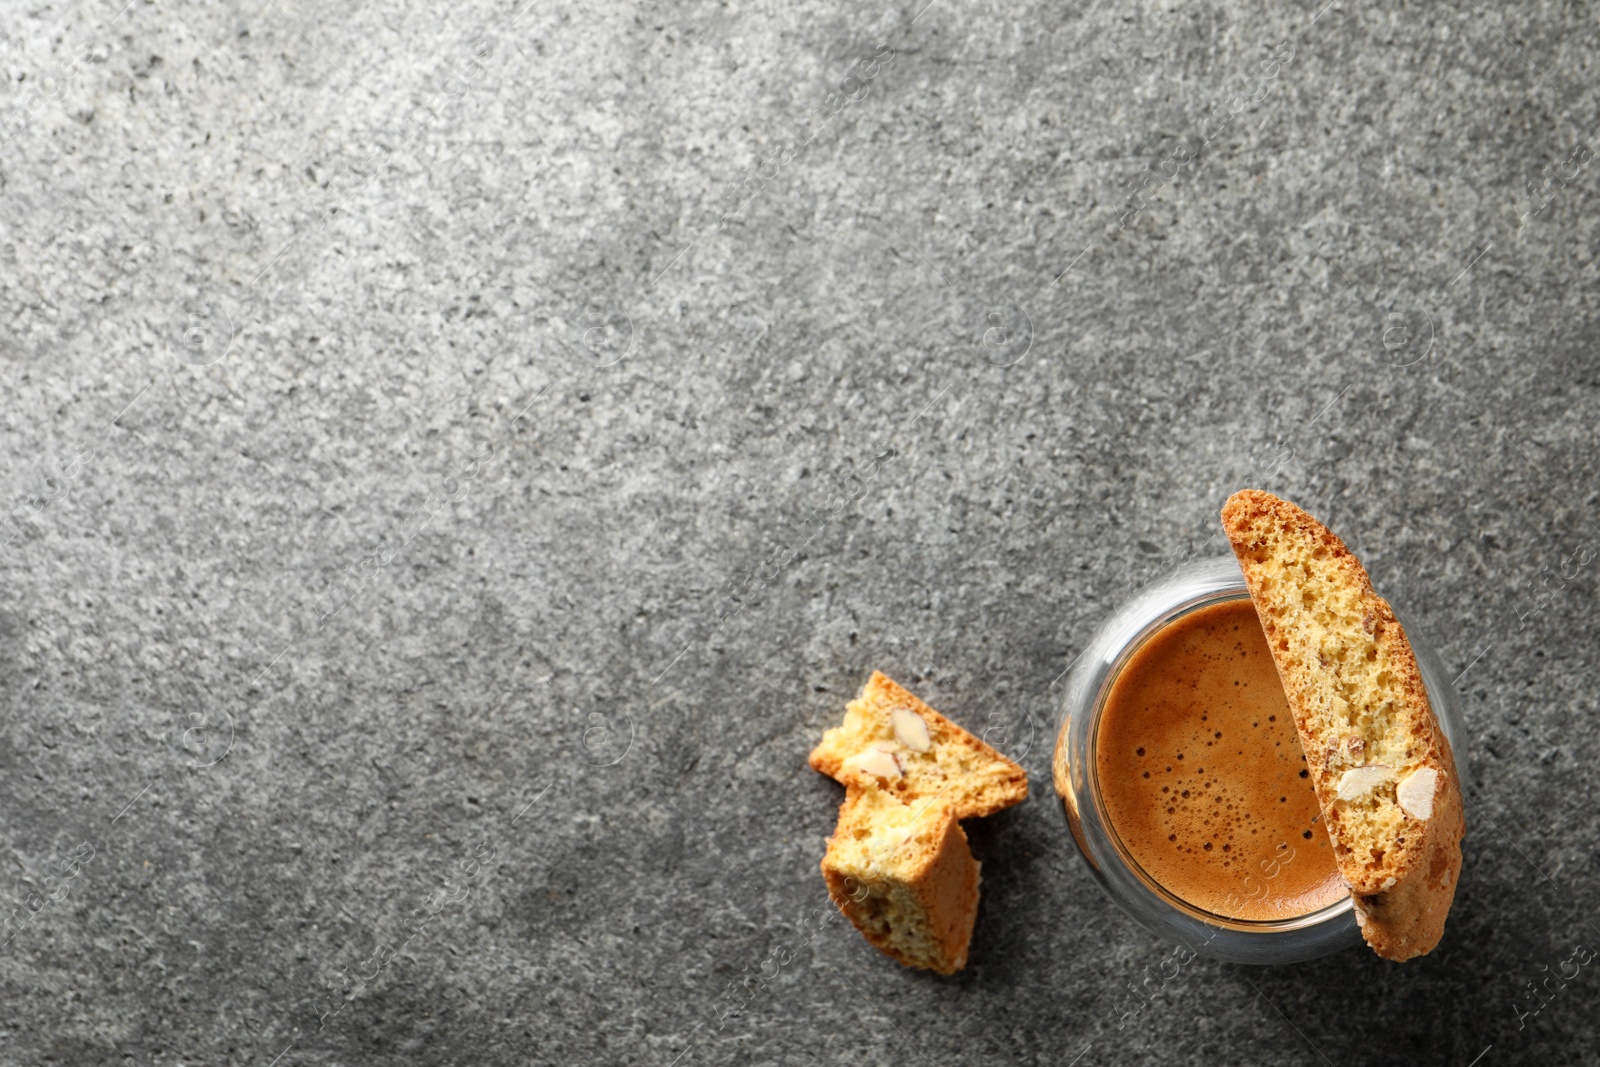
(974, 778)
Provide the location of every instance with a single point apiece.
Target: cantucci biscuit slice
(904, 876)
(1382, 767)
(894, 741)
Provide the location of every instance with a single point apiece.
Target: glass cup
(1303, 937)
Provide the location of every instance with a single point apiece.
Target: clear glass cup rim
(1187, 588)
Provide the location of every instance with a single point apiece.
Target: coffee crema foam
(1203, 777)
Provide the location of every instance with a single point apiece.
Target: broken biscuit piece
(894, 741)
(903, 875)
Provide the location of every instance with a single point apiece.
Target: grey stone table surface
(458, 457)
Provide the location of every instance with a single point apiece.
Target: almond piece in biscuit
(1381, 765)
(904, 876)
(933, 755)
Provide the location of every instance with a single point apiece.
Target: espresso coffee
(1202, 775)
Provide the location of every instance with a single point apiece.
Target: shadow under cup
(1075, 766)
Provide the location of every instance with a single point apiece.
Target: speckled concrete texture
(458, 457)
